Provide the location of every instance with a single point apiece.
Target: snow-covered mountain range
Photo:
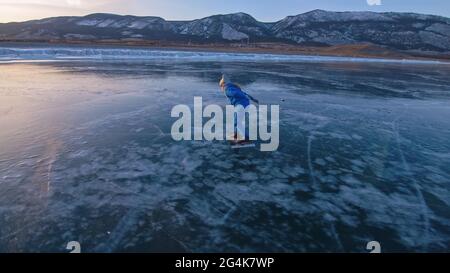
(403, 31)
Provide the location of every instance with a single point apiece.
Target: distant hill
(397, 31)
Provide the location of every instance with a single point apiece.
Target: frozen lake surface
(86, 155)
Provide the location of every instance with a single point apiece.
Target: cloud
(374, 2)
(73, 2)
(65, 3)
(22, 10)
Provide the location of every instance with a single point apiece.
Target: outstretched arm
(251, 98)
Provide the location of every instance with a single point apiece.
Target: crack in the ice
(310, 165)
(336, 237)
(406, 166)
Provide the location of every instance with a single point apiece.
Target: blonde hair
(222, 81)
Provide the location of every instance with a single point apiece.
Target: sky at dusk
(263, 10)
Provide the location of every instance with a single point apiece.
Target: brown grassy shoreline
(356, 50)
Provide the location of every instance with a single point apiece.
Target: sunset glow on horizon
(264, 10)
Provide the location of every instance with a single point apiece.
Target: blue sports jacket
(236, 95)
